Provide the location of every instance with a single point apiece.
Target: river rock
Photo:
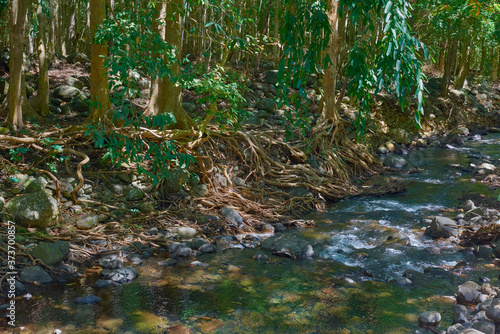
(123, 275)
(266, 104)
(207, 248)
(460, 314)
(35, 274)
(442, 227)
(34, 210)
(493, 313)
(168, 263)
(484, 252)
(429, 319)
(288, 243)
(184, 232)
(484, 326)
(87, 222)
(232, 215)
(49, 253)
(471, 331)
(33, 185)
(400, 136)
(382, 150)
(395, 161)
(455, 329)
(200, 190)
(422, 142)
(65, 92)
(468, 292)
(184, 251)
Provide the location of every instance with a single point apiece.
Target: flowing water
(362, 245)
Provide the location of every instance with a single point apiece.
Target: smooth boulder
(288, 244)
(37, 209)
(442, 227)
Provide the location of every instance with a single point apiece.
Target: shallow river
(361, 244)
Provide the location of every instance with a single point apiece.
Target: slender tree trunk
(41, 101)
(17, 11)
(464, 67)
(99, 89)
(483, 58)
(494, 64)
(329, 105)
(166, 94)
(449, 66)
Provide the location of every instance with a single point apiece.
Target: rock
(382, 150)
(135, 259)
(87, 300)
(463, 131)
(468, 205)
(404, 281)
(74, 82)
(266, 104)
(2, 203)
(87, 222)
(48, 252)
(184, 251)
(135, 195)
(271, 77)
(65, 92)
(493, 313)
(468, 292)
(267, 228)
(429, 319)
(123, 275)
(189, 106)
(33, 185)
(147, 207)
(200, 190)
(199, 264)
(455, 329)
(260, 257)
(174, 182)
(453, 139)
(460, 314)
(288, 243)
(35, 274)
(471, 331)
(81, 103)
(484, 252)
(442, 227)
(4, 131)
(232, 215)
(279, 227)
(103, 283)
(239, 182)
(168, 263)
(395, 161)
(184, 232)
(77, 57)
(207, 248)
(34, 210)
(484, 326)
(422, 142)
(473, 213)
(400, 136)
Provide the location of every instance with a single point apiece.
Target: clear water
(362, 243)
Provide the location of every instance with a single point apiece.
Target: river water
(362, 245)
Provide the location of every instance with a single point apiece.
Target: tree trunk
(329, 107)
(464, 67)
(17, 11)
(449, 66)
(166, 95)
(494, 64)
(99, 89)
(41, 101)
(483, 58)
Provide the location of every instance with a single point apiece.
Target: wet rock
(66, 93)
(289, 243)
(382, 150)
(473, 213)
(123, 275)
(460, 314)
(484, 326)
(34, 210)
(493, 313)
(267, 228)
(484, 252)
(279, 227)
(404, 281)
(35, 274)
(395, 161)
(135, 195)
(471, 331)
(463, 131)
(260, 257)
(453, 139)
(168, 263)
(87, 222)
(468, 292)
(87, 300)
(232, 215)
(199, 264)
(110, 261)
(442, 227)
(49, 253)
(207, 248)
(135, 259)
(184, 251)
(429, 319)
(422, 142)
(184, 232)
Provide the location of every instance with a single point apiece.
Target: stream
(363, 246)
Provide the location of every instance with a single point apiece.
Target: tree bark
(494, 64)
(329, 105)
(464, 66)
(17, 11)
(449, 66)
(41, 101)
(99, 88)
(166, 94)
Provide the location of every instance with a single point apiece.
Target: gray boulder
(51, 253)
(429, 319)
(400, 136)
(35, 274)
(232, 215)
(468, 292)
(34, 210)
(395, 161)
(460, 314)
(290, 244)
(442, 227)
(74, 82)
(123, 275)
(65, 92)
(87, 222)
